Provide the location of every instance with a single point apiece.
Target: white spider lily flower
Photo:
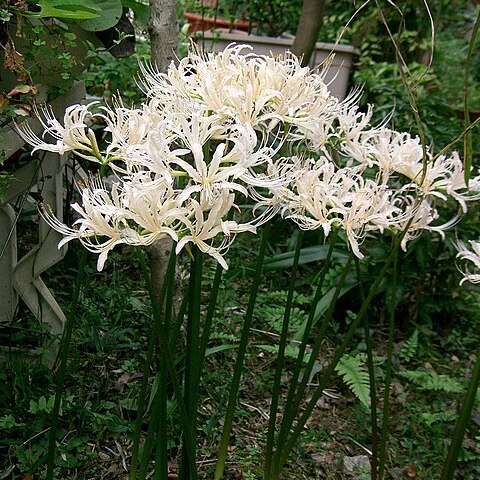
(352, 123)
(125, 215)
(471, 254)
(394, 152)
(451, 179)
(369, 209)
(74, 134)
(417, 216)
(203, 227)
(244, 88)
(210, 179)
(128, 126)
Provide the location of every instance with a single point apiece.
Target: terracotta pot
(200, 23)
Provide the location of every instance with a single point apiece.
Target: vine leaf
(67, 9)
(110, 13)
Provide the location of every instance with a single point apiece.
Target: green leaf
(219, 348)
(111, 11)
(307, 255)
(68, 9)
(355, 375)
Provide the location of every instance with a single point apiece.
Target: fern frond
(410, 347)
(291, 351)
(354, 373)
(429, 380)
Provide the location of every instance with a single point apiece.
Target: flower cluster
(221, 130)
(471, 255)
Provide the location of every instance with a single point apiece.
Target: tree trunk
(163, 31)
(308, 28)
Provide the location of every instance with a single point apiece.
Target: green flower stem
(388, 373)
(161, 452)
(157, 306)
(215, 288)
(289, 413)
(294, 406)
(306, 333)
(168, 358)
(63, 355)
(290, 443)
(371, 377)
(242, 348)
(281, 356)
(450, 464)
(158, 423)
(192, 366)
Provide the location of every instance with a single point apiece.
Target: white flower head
(472, 255)
(74, 134)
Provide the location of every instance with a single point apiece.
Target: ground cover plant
(316, 304)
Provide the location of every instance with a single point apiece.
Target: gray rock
(357, 467)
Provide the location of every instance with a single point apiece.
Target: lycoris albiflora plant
(224, 143)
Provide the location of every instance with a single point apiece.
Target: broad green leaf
(68, 9)
(111, 11)
(307, 255)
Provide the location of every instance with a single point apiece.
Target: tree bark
(163, 31)
(308, 28)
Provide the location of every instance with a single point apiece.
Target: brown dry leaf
(412, 471)
(27, 476)
(125, 379)
(19, 89)
(13, 59)
(323, 458)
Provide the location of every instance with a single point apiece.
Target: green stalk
(371, 377)
(388, 374)
(281, 356)
(63, 354)
(157, 320)
(242, 348)
(290, 413)
(467, 140)
(192, 351)
(158, 421)
(161, 452)
(154, 427)
(450, 464)
(331, 368)
(217, 280)
(162, 335)
(294, 406)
